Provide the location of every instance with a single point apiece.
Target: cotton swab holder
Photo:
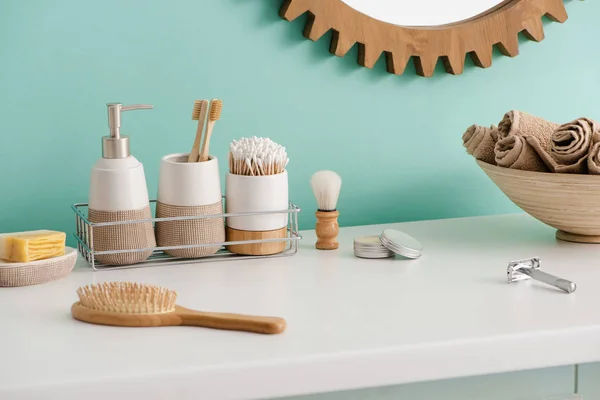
(257, 194)
(257, 183)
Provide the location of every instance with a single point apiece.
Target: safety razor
(530, 268)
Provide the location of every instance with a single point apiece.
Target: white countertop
(351, 322)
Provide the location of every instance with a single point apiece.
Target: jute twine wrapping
(39, 272)
(190, 232)
(122, 237)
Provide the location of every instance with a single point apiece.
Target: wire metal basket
(85, 239)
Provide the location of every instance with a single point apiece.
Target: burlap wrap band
(122, 237)
(190, 232)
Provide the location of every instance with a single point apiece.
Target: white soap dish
(36, 272)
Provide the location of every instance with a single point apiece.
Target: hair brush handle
(232, 322)
(181, 317)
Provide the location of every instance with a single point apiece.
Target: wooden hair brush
(141, 305)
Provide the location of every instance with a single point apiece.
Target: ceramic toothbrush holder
(266, 193)
(189, 189)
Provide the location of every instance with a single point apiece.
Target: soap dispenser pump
(118, 192)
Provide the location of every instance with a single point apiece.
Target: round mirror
(428, 31)
(422, 12)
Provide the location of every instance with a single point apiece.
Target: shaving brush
(326, 188)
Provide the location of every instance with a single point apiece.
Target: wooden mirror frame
(498, 26)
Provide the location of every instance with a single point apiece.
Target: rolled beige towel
(571, 144)
(516, 153)
(536, 132)
(593, 160)
(479, 142)
(519, 123)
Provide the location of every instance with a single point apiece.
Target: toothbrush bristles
(197, 110)
(215, 109)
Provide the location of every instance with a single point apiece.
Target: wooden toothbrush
(142, 305)
(214, 114)
(198, 114)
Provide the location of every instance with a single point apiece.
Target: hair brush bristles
(127, 297)
(215, 110)
(326, 187)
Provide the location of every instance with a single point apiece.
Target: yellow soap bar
(31, 246)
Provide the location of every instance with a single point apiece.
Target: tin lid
(401, 243)
(371, 247)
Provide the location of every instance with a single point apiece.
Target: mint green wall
(395, 140)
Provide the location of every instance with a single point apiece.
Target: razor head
(513, 271)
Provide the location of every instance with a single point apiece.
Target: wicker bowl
(567, 202)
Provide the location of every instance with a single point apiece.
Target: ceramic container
(257, 193)
(189, 189)
(118, 192)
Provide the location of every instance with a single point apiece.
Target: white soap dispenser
(118, 192)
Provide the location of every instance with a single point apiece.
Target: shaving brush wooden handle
(327, 230)
(326, 188)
